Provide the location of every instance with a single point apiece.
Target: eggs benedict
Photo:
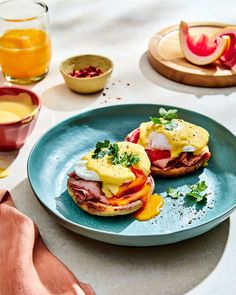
(174, 146)
(113, 179)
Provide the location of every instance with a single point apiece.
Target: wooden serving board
(166, 57)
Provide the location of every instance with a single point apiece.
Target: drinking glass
(25, 46)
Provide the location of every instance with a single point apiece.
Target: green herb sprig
(101, 149)
(167, 118)
(112, 150)
(195, 191)
(173, 193)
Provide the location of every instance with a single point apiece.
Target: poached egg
(186, 137)
(112, 176)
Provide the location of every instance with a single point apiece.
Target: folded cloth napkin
(26, 265)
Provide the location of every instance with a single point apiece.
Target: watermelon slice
(228, 59)
(204, 50)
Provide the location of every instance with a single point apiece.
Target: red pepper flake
(119, 98)
(88, 72)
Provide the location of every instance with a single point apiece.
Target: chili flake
(87, 72)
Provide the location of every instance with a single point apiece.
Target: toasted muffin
(101, 209)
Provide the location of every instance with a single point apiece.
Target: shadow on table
(3, 82)
(60, 98)
(160, 80)
(171, 269)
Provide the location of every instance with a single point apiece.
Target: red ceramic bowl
(13, 134)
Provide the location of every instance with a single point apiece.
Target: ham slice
(162, 163)
(91, 188)
(86, 190)
(190, 159)
(184, 159)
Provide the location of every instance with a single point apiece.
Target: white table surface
(121, 30)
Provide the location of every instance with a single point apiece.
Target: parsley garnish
(172, 125)
(125, 159)
(168, 115)
(195, 191)
(173, 193)
(166, 118)
(99, 151)
(112, 150)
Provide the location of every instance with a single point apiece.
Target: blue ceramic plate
(55, 154)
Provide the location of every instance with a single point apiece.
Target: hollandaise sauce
(184, 135)
(150, 209)
(15, 107)
(113, 176)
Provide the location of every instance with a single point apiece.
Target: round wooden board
(166, 57)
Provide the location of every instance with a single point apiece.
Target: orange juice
(25, 53)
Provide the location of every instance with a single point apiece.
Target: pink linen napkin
(27, 267)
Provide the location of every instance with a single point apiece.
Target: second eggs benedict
(174, 146)
(113, 179)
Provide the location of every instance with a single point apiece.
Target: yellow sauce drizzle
(150, 209)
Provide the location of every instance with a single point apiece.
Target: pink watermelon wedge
(228, 59)
(204, 50)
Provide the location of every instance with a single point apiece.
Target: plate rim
(63, 219)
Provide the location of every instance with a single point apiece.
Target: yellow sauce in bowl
(16, 107)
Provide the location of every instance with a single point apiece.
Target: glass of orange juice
(25, 46)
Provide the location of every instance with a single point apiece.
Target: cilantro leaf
(173, 193)
(166, 118)
(168, 115)
(129, 159)
(196, 191)
(125, 159)
(99, 152)
(197, 196)
(171, 126)
(155, 120)
(104, 144)
(112, 150)
(200, 186)
(162, 112)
